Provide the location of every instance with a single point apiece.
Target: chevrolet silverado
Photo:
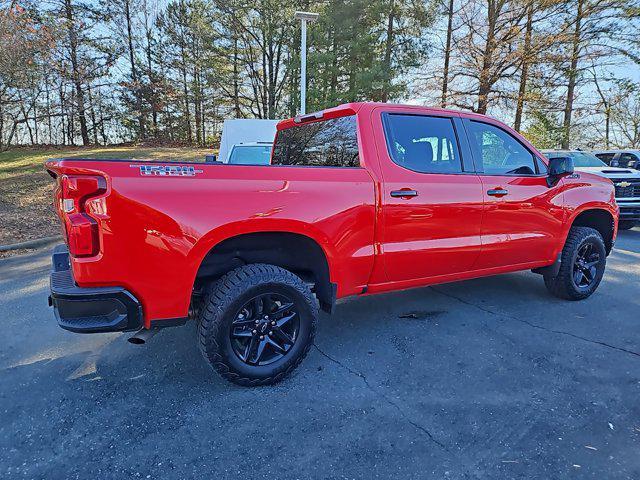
(359, 199)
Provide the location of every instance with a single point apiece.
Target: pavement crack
(381, 395)
(534, 325)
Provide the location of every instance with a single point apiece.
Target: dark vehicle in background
(620, 158)
(626, 181)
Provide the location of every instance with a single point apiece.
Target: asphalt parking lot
(490, 378)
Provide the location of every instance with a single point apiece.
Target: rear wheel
(626, 224)
(582, 265)
(257, 324)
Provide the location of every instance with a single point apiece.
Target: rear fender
(208, 241)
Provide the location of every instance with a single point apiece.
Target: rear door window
(422, 143)
(328, 143)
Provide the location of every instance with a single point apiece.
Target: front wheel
(257, 324)
(582, 265)
(626, 224)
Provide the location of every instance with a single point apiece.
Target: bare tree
(486, 51)
(596, 24)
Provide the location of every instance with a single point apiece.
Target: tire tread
(560, 285)
(223, 292)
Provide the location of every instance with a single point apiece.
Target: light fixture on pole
(304, 17)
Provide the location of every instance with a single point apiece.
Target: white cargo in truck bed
(237, 131)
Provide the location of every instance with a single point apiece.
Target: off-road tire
(627, 224)
(563, 285)
(226, 295)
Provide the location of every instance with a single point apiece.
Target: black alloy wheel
(265, 329)
(585, 266)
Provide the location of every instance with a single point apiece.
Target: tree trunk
(197, 105)
(92, 114)
(154, 107)
(573, 76)
(36, 130)
(607, 128)
(75, 69)
(526, 59)
(387, 53)
(48, 100)
(103, 134)
(484, 83)
(134, 72)
(12, 133)
(263, 86)
(447, 56)
(25, 116)
(353, 65)
(63, 113)
(202, 122)
(1, 120)
(71, 126)
(236, 78)
(187, 117)
(606, 103)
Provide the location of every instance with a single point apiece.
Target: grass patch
(31, 160)
(26, 202)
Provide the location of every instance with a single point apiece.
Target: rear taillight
(82, 234)
(82, 229)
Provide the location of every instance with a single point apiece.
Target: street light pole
(304, 17)
(303, 69)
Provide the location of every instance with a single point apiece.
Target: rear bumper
(629, 210)
(90, 310)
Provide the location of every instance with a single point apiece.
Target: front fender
(588, 192)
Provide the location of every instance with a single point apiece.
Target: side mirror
(559, 167)
(210, 159)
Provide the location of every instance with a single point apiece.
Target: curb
(40, 242)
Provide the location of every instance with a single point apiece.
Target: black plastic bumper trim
(329, 307)
(552, 270)
(630, 212)
(90, 310)
(169, 322)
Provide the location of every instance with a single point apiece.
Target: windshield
(250, 155)
(580, 159)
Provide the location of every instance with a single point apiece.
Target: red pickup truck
(359, 199)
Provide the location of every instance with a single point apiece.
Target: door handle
(498, 192)
(404, 193)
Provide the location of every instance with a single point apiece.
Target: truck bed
(158, 220)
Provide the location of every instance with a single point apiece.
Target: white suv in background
(626, 181)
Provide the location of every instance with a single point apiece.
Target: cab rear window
(328, 143)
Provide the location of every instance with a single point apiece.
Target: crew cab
(359, 199)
